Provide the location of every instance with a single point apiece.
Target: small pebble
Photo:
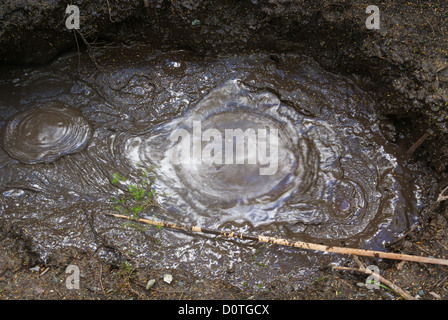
(150, 283)
(167, 278)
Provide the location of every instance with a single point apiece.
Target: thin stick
(101, 281)
(108, 8)
(380, 278)
(289, 243)
(417, 144)
(397, 289)
(443, 67)
(79, 52)
(89, 49)
(442, 197)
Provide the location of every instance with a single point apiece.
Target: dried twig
(89, 50)
(109, 10)
(442, 67)
(57, 291)
(79, 52)
(44, 272)
(289, 243)
(101, 281)
(397, 289)
(362, 268)
(14, 24)
(417, 144)
(442, 196)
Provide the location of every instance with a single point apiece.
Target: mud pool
(337, 181)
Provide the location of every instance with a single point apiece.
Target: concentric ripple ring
(45, 133)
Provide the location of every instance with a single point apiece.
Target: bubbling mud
(306, 159)
(45, 133)
(326, 181)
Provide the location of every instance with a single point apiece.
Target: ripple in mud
(45, 133)
(319, 179)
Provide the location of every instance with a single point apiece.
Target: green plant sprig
(138, 196)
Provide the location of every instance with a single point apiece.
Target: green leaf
(117, 177)
(137, 209)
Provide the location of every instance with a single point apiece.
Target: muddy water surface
(69, 126)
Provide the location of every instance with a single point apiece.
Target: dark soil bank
(403, 64)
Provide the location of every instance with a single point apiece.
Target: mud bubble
(45, 133)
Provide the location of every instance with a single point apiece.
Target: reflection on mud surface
(336, 178)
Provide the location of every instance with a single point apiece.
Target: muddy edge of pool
(406, 60)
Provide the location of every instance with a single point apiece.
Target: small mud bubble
(45, 133)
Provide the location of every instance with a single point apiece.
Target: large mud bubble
(328, 180)
(338, 179)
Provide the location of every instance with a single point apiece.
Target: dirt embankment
(405, 62)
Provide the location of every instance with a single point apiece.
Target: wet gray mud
(338, 180)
